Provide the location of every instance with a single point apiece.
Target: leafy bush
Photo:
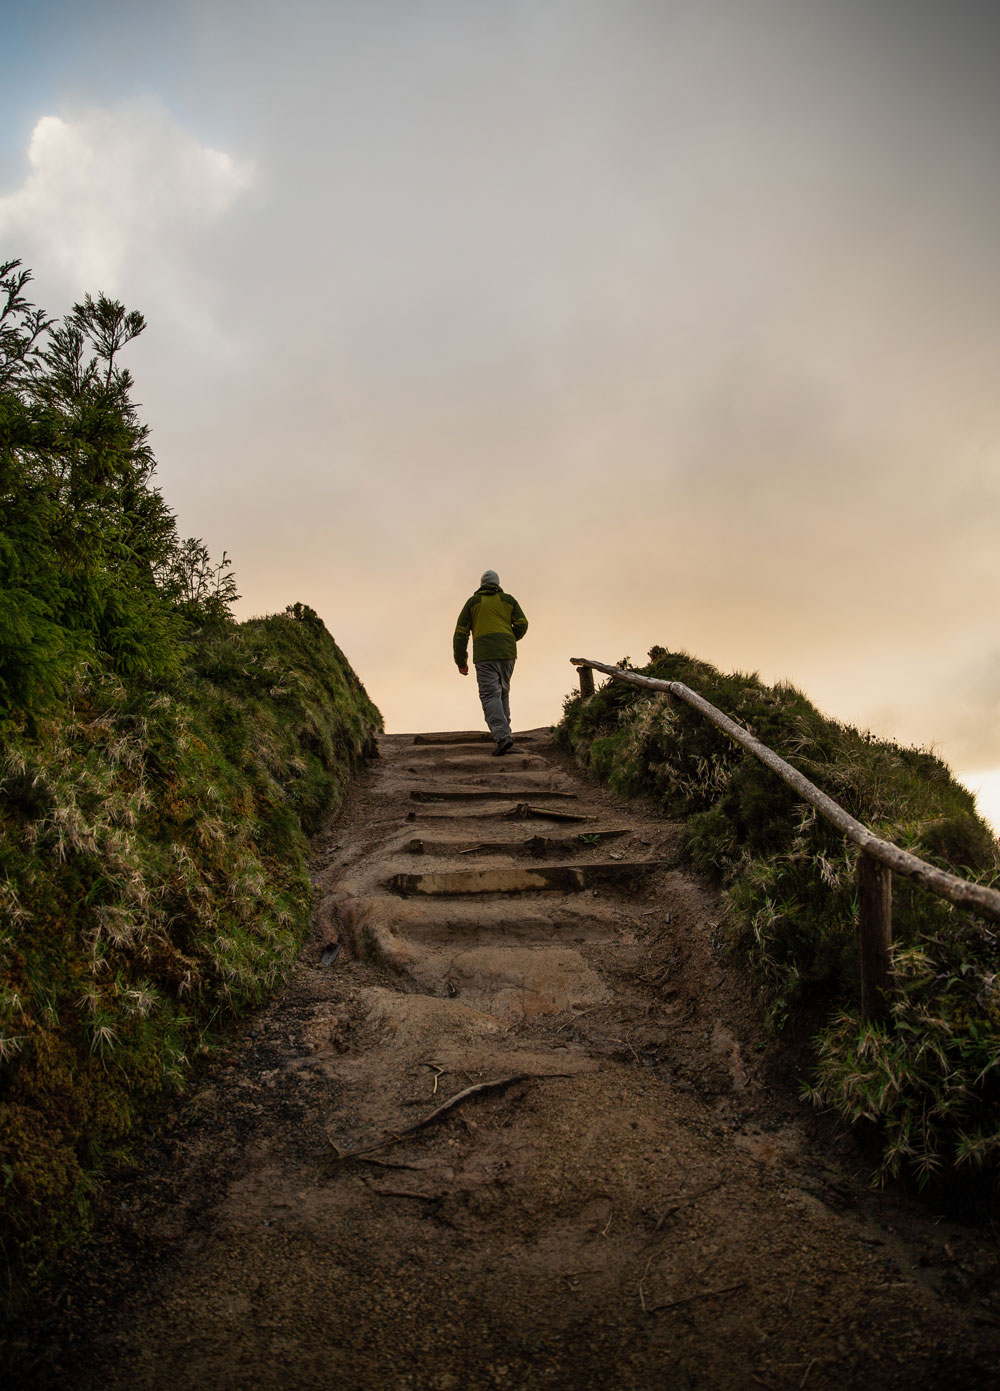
(789, 883)
(931, 1078)
(82, 530)
(202, 590)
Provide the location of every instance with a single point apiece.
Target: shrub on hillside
(789, 881)
(82, 530)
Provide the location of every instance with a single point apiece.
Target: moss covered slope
(931, 1079)
(153, 880)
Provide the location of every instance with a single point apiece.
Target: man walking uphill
(496, 624)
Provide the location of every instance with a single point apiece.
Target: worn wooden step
(467, 736)
(559, 878)
(475, 763)
(459, 736)
(487, 794)
(534, 845)
(523, 811)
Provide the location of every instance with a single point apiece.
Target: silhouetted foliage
(82, 530)
(203, 591)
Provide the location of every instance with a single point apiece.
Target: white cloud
(118, 200)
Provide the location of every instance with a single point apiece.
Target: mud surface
(638, 1202)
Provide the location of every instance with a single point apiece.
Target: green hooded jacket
(496, 624)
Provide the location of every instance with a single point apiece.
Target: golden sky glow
(683, 317)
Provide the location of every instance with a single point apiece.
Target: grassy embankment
(161, 769)
(153, 882)
(930, 1079)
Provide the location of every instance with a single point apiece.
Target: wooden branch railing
(878, 860)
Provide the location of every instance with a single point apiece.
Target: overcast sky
(683, 317)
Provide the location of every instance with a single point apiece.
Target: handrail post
(875, 932)
(586, 682)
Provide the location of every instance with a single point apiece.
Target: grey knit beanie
(490, 577)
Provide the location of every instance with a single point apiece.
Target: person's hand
(463, 671)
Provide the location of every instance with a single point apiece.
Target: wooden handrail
(874, 891)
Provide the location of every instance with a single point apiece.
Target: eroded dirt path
(641, 1209)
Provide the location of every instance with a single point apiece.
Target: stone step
(545, 878)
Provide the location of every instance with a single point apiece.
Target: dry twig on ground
(395, 1136)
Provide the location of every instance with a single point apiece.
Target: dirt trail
(639, 1209)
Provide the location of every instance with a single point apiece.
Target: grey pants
(493, 679)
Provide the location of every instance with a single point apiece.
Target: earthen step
(526, 920)
(509, 983)
(545, 878)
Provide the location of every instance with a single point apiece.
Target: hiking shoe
(503, 748)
